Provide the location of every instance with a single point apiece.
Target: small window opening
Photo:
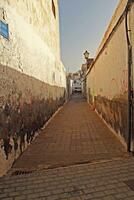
(4, 30)
(53, 9)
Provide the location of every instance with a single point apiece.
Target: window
(53, 9)
(4, 31)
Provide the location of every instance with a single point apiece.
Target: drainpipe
(130, 95)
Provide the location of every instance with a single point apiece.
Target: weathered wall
(32, 76)
(107, 81)
(34, 40)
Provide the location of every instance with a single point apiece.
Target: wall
(32, 76)
(107, 81)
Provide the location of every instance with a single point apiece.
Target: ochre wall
(107, 82)
(33, 45)
(32, 76)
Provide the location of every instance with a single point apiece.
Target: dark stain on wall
(113, 111)
(21, 117)
(25, 121)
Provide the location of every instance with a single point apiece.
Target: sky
(82, 26)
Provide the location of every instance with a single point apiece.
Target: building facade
(32, 76)
(77, 82)
(112, 72)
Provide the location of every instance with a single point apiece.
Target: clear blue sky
(82, 26)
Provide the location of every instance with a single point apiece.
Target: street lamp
(86, 55)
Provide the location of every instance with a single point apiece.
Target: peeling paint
(114, 112)
(32, 76)
(24, 110)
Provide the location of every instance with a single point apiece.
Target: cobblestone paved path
(75, 135)
(100, 181)
(88, 161)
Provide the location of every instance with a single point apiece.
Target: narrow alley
(66, 100)
(75, 135)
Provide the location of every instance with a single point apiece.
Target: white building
(77, 82)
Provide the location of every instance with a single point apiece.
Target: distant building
(77, 84)
(74, 82)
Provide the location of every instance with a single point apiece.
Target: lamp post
(86, 55)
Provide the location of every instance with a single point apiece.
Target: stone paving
(75, 135)
(98, 181)
(75, 158)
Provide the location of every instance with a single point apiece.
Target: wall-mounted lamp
(86, 55)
